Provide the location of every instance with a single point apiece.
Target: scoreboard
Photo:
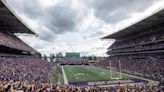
(72, 55)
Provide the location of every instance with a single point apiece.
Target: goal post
(112, 73)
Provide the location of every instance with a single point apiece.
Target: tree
(52, 57)
(59, 55)
(44, 57)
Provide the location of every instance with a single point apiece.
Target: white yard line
(64, 76)
(136, 77)
(149, 80)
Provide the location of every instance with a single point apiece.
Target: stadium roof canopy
(143, 25)
(9, 22)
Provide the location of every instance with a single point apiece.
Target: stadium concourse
(22, 69)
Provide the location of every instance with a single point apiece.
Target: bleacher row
(144, 39)
(9, 40)
(149, 47)
(24, 68)
(25, 87)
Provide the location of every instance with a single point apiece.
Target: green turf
(52, 75)
(90, 73)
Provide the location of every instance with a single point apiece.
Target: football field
(91, 73)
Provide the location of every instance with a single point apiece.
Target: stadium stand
(25, 87)
(19, 61)
(24, 72)
(9, 40)
(139, 48)
(148, 66)
(24, 68)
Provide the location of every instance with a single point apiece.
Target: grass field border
(122, 74)
(90, 77)
(64, 76)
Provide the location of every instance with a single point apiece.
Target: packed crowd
(30, 74)
(14, 86)
(145, 65)
(73, 61)
(148, 47)
(148, 66)
(10, 40)
(145, 39)
(24, 68)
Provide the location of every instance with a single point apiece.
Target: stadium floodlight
(114, 72)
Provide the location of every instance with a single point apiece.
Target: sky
(77, 25)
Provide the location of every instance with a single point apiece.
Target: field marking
(149, 80)
(104, 70)
(133, 76)
(64, 76)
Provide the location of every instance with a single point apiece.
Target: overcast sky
(78, 25)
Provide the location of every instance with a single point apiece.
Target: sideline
(149, 80)
(133, 76)
(64, 76)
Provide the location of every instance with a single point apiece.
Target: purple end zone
(112, 82)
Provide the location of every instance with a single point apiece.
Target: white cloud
(73, 25)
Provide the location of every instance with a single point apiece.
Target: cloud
(113, 11)
(61, 19)
(76, 25)
(46, 35)
(95, 34)
(58, 18)
(30, 8)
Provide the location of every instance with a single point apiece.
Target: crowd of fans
(27, 73)
(24, 68)
(10, 40)
(17, 86)
(145, 39)
(148, 47)
(30, 74)
(73, 61)
(148, 66)
(145, 65)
